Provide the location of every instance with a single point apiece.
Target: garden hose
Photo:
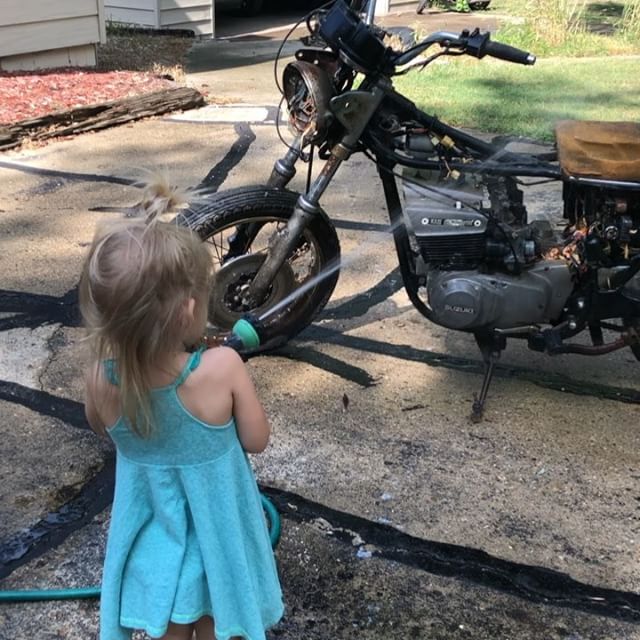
(94, 592)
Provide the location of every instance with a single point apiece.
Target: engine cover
(469, 300)
(445, 219)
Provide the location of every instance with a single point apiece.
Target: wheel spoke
(235, 275)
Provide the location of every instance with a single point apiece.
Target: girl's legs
(178, 632)
(204, 628)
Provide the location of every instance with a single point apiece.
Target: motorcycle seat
(604, 150)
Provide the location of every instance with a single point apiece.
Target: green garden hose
(94, 592)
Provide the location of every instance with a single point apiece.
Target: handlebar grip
(508, 53)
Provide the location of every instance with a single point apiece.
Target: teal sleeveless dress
(188, 536)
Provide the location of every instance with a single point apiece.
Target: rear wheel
(238, 226)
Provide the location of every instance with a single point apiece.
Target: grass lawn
(588, 68)
(500, 97)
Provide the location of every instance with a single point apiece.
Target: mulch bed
(99, 116)
(39, 105)
(27, 95)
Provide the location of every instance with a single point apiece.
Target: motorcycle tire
(235, 210)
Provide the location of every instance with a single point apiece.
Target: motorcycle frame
(354, 110)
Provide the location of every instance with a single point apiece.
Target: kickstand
(491, 349)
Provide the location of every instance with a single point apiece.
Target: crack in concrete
(53, 341)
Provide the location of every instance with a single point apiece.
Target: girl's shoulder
(220, 366)
(220, 362)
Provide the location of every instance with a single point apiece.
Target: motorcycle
(469, 258)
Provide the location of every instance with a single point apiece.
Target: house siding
(142, 13)
(195, 15)
(187, 14)
(47, 33)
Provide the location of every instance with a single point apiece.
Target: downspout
(156, 14)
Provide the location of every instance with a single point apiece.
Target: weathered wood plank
(100, 116)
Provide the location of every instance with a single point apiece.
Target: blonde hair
(135, 281)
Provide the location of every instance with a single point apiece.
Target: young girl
(188, 546)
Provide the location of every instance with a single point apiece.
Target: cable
(304, 18)
(38, 595)
(277, 119)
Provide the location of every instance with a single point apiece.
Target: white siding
(44, 36)
(196, 15)
(38, 33)
(14, 12)
(83, 56)
(187, 14)
(142, 13)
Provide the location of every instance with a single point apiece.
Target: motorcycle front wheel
(238, 226)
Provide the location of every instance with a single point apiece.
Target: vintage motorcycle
(469, 258)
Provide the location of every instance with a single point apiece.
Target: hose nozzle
(244, 334)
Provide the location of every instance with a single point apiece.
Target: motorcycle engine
(605, 218)
(478, 272)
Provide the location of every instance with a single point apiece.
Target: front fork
(353, 110)
(306, 209)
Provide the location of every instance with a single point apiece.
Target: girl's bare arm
(253, 427)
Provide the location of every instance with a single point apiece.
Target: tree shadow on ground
(603, 18)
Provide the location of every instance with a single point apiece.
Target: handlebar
(362, 47)
(443, 38)
(480, 45)
(476, 44)
(509, 53)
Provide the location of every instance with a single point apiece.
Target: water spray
(329, 269)
(249, 332)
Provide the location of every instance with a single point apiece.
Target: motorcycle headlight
(308, 90)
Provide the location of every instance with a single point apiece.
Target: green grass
(571, 27)
(499, 97)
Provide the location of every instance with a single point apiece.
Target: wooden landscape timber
(99, 116)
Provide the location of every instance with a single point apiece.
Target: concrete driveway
(401, 519)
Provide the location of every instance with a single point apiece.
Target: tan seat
(606, 150)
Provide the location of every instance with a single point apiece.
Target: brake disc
(228, 292)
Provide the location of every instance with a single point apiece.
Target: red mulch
(32, 94)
